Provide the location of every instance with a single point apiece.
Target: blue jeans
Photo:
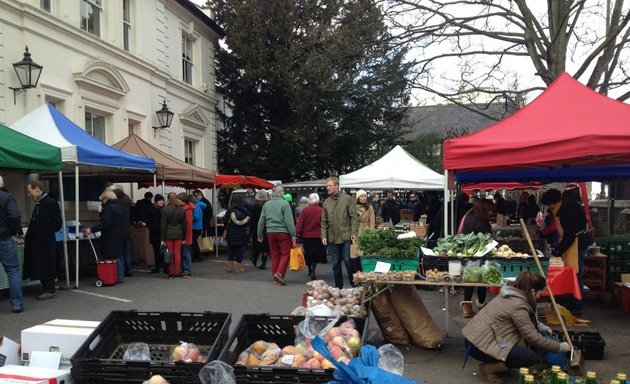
(341, 252)
(9, 260)
(128, 257)
(186, 259)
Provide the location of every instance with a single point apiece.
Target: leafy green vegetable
(491, 274)
(465, 245)
(472, 273)
(386, 243)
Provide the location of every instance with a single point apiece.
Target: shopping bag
(296, 260)
(166, 255)
(205, 243)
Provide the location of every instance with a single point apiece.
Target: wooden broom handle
(542, 272)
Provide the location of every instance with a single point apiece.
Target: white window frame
(127, 28)
(188, 63)
(90, 118)
(189, 151)
(46, 5)
(94, 6)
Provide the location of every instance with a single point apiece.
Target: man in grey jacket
(340, 224)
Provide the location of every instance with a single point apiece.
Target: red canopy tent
(241, 181)
(568, 124)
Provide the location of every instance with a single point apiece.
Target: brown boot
(467, 306)
(238, 267)
(489, 371)
(229, 266)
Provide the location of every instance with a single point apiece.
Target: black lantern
(28, 73)
(165, 117)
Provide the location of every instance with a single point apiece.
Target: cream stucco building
(109, 64)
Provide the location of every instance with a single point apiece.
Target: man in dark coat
(125, 202)
(114, 228)
(390, 209)
(143, 210)
(40, 261)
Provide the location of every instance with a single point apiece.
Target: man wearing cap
(340, 224)
(289, 199)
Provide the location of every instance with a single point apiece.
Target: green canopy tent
(18, 151)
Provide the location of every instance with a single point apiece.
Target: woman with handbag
(236, 233)
(367, 220)
(309, 228)
(173, 227)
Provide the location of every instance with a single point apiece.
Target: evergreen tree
(312, 86)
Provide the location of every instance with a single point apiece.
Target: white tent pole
(76, 224)
(154, 180)
(64, 230)
(446, 199)
(214, 211)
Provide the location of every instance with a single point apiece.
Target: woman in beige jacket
(494, 336)
(367, 221)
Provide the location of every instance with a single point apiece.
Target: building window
(91, 11)
(132, 128)
(126, 24)
(189, 152)
(95, 125)
(187, 60)
(45, 5)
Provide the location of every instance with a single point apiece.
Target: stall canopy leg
(64, 230)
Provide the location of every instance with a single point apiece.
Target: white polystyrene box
(59, 335)
(19, 374)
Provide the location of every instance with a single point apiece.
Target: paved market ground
(253, 292)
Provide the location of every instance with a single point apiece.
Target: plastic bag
(137, 351)
(362, 370)
(314, 325)
(260, 353)
(187, 352)
(217, 372)
(472, 272)
(391, 359)
(491, 273)
(296, 259)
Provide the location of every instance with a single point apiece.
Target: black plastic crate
(280, 330)
(100, 357)
(591, 343)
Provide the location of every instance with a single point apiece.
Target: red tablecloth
(563, 281)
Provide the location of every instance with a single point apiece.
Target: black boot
(263, 261)
(254, 259)
(312, 274)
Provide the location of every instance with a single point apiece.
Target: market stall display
(259, 341)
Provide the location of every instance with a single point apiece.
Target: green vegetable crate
(512, 267)
(369, 263)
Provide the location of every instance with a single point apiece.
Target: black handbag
(166, 255)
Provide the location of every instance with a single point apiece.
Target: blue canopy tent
(80, 152)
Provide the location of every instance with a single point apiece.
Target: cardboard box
(9, 352)
(19, 374)
(59, 335)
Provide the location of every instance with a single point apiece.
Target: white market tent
(396, 169)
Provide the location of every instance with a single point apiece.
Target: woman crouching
(501, 334)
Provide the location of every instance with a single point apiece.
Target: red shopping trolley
(106, 270)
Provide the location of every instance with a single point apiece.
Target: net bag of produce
(415, 318)
(388, 321)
